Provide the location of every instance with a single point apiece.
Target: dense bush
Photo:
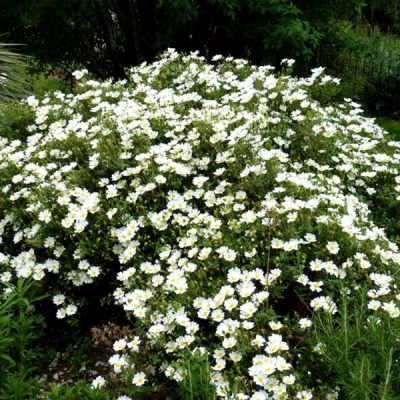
(227, 212)
(15, 118)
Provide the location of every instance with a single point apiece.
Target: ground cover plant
(231, 212)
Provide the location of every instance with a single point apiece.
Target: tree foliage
(106, 36)
(384, 13)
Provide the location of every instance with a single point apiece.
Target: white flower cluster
(203, 191)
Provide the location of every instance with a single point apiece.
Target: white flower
(49, 242)
(111, 213)
(220, 364)
(217, 315)
(93, 272)
(277, 243)
(119, 345)
(98, 382)
(315, 286)
(305, 323)
(229, 342)
(275, 326)
(203, 312)
(234, 275)
(18, 237)
(112, 191)
(235, 356)
(61, 313)
(230, 304)
(139, 379)
(204, 253)
(247, 310)
(246, 289)
(248, 325)
(374, 305)
(304, 395)
(333, 247)
(248, 217)
(45, 216)
(289, 379)
(58, 299)
(67, 222)
(80, 74)
(258, 341)
(303, 279)
(310, 238)
(6, 276)
(291, 217)
(160, 179)
(259, 395)
(117, 361)
(200, 180)
(316, 265)
(71, 309)
(230, 255)
(364, 264)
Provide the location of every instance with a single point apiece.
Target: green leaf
(8, 358)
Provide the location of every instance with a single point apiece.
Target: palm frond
(12, 77)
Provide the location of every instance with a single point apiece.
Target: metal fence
(366, 75)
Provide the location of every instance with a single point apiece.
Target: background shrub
(367, 60)
(15, 118)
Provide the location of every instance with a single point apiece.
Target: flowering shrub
(228, 210)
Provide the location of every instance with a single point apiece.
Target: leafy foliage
(15, 118)
(107, 36)
(20, 330)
